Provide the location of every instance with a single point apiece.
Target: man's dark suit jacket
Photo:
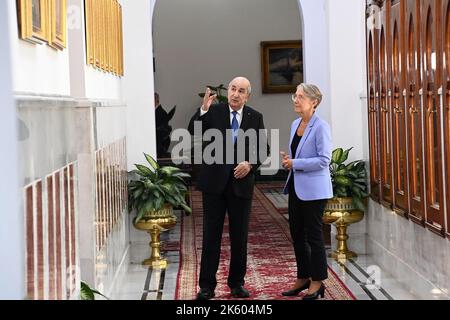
(213, 178)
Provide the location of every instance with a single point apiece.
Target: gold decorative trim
(104, 35)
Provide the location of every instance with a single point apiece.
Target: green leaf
(86, 292)
(212, 88)
(182, 175)
(341, 192)
(222, 99)
(139, 173)
(356, 191)
(358, 204)
(336, 156)
(138, 193)
(151, 161)
(186, 208)
(352, 175)
(159, 203)
(170, 170)
(361, 165)
(344, 155)
(101, 294)
(343, 181)
(144, 170)
(341, 172)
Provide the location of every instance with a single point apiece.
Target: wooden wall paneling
(432, 71)
(414, 113)
(385, 112)
(446, 100)
(373, 107)
(397, 95)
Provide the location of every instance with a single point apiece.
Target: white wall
(101, 85)
(316, 50)
(37, 68)
(138, 81)
(12, 247)
(199, 43)
(40, 69)
(86, 81)
(347, 56)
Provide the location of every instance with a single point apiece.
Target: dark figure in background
(163, 130)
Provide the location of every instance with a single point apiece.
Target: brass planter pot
(342, 213)
(154, 223)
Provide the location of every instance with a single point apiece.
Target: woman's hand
(286, 162)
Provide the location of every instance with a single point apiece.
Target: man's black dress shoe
(240, 292)
(315, 295)
(295, 292)
(205, 294)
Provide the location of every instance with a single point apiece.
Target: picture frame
(58, 14)
(43, 21)
(282, 66)
(33, 20)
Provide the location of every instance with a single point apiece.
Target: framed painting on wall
(282, 66)
(58, 12)
(33, 20)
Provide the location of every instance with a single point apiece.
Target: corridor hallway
(78, 82)
(363, 279)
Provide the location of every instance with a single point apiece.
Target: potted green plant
(156, 187)
(153, 192)
(349, 182)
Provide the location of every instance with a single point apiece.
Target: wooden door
(446, 99)
(414, 114)
(432, 106)
(373, 89)
(397, 95)
(385, 111)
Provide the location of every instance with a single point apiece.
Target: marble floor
(365, 279)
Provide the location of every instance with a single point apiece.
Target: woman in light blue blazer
(309, 187)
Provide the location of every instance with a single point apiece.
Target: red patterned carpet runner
(270, 264)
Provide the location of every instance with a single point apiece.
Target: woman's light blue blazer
(310, 165)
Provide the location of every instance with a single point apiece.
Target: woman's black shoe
(295, 292)
(315, 295)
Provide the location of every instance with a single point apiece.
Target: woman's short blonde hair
(311, 92)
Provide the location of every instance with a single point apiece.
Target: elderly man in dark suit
(228, 186)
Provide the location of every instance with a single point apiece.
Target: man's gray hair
(249, 89)
(312, 92)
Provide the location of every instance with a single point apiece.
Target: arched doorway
(198, 44)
